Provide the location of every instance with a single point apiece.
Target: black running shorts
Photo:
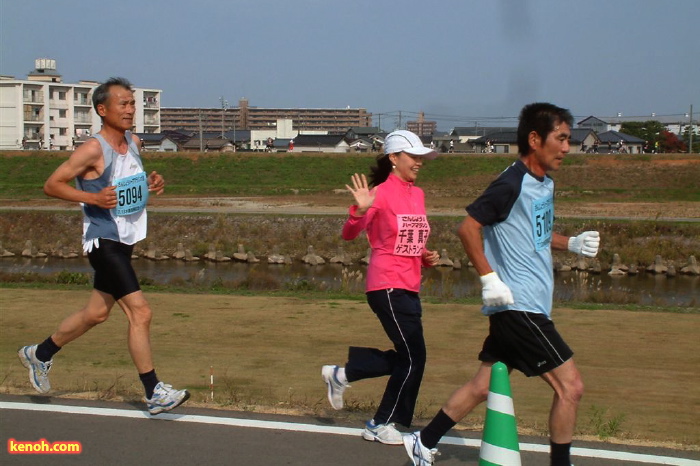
(526, 341)
(113, 271)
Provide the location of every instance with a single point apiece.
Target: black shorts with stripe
(526, 341)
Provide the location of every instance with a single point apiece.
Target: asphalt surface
(123, 434)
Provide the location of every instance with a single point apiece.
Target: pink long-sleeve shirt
(397, 229)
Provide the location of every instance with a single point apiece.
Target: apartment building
(43, 112)
(421, 126)
(245, 117)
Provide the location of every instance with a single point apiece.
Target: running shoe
(335, 386)
(419, 454)
(165, 398)
(384, 433)
(38, 370)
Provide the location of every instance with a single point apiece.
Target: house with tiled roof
(469, 133)
(583, 140)
(501, 141)
(615, 142)
(593, 123)
(320, 143)
(208, 142)
(157, 142)
(506, 141)
(676, 124)
(357, 132)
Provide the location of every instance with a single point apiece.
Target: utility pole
(201, 144)
(690, 131)
(224, 106)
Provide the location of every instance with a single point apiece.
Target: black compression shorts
(113, 271)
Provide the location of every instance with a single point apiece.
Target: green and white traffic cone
(499, 442)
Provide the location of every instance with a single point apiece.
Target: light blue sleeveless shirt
(126, 172)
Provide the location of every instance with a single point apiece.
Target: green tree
(649, 130)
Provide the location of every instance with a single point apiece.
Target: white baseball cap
(406, 141)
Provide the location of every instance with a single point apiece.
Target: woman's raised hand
(364, 197)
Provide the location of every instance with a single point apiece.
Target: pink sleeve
(354, 224)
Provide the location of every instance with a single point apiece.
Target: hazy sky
(455, 60)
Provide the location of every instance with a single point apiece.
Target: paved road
(121, 433)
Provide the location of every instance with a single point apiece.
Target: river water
(444, 282)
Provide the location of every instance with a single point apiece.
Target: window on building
(62, 113)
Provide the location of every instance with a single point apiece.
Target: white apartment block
(42, 112)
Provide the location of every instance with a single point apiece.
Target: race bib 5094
(132, 194)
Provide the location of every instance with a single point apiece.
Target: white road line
(294, 427)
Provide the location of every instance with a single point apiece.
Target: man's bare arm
(469, 233)
(85, 161)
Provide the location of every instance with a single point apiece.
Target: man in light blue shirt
(515, 215)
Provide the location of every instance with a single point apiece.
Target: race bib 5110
(542, 221)
(412, 235)
(132, 194)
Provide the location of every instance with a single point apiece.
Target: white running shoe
(335, 386)
(419, 454)
(38, 370)
(165, 398)
(384, 433)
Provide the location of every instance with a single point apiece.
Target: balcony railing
(34, 97)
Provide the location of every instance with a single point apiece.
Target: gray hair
(101, 93)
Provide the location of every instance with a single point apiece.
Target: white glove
(585, 244)
(87, 247)
(494, 292)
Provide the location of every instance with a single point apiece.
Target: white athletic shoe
(38, 370)
(419, 454)
(384, 433)
(165, 398)
(335, 386)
